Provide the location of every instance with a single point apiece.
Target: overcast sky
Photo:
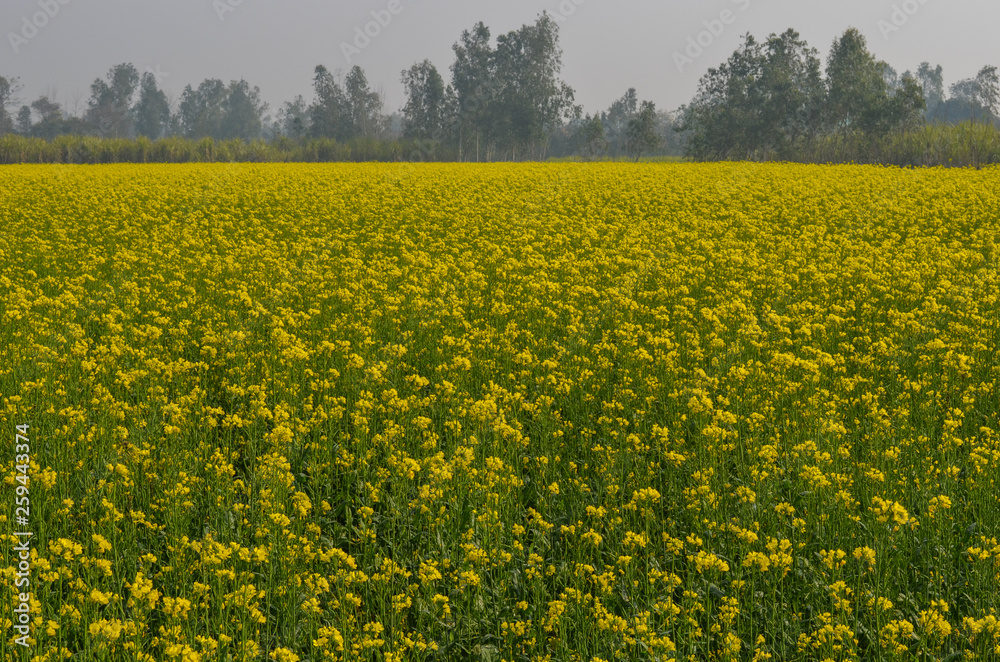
(61, 46)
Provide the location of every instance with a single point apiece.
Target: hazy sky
(61, 46)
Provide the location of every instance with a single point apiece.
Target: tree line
(504, 100)
(771, 99)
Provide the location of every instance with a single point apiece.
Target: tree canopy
(502, 97)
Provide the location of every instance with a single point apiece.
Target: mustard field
(506, 412)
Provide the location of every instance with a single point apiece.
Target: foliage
(768, 99)
(109, 111)
(506, 102)
(507, 99)
(152, 111)
(969, 144)
(222, 112)
(9, 87)
(641, 131)
(759, 103)
(592, 135)
(425, 111)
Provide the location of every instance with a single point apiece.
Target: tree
(24, 125)
(641, 131)
(973, 99)
(109, 111)
(616, 120)
(203, 110)
(424, 112)
(591, 134)
(758, 103)
(768, 98)
(509, 97)
(932, 83)
(722, 119)
(856, 87)
(790, 92)
(904, 108)
(8, 99)
(988, 88)
(673, 139)
(293, 118)
(220, 111)
(328, 114)
(364, 107)
(531, 99)
(152, 111)
(50, 118)
(860, 94)
(474, 88)
(243, 112)
(890, 76)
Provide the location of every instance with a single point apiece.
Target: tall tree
(973, 98)
(329, 116)
(790, 92)
(761, 103)
(8, 100)
(152, 111)
(293, 118)
(532, 99)
(203, 110)
(932, 83)
(855, 84)
(424, 112)
(364, 106)
(474, 87)
(109, 111)
(591, 135)
(616, 120)
(859, 95)
(988, 84)
(904, 109)
(891, 77)
(243, 112)
(723, 120)
(24, 124)
(51, 122)
(641, 132)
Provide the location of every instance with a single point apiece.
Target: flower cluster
(504, 412)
